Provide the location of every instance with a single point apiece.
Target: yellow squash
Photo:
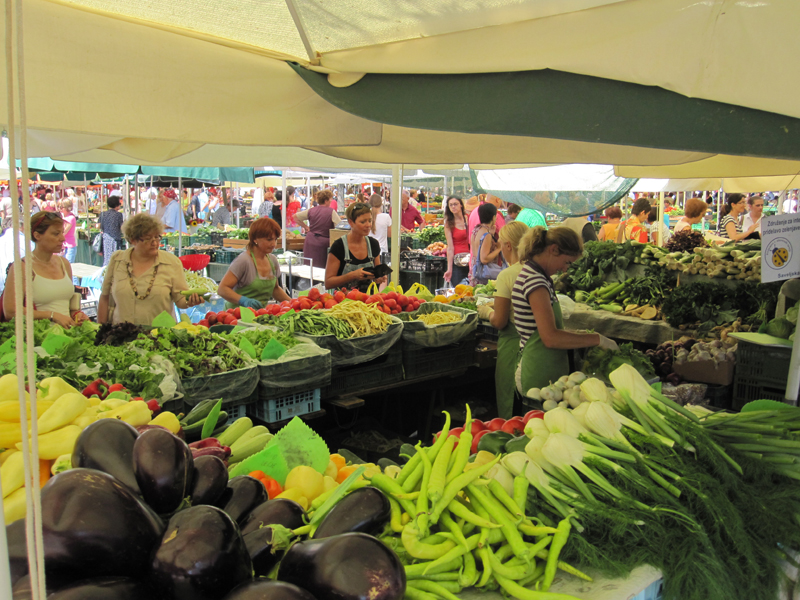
(64, 410)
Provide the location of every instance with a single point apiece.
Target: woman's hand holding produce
(607, 344)
(250, 303)
(64, 320)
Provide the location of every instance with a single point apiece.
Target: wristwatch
(51, 314)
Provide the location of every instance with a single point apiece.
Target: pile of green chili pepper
(453, 528)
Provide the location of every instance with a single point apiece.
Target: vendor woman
(252, 278)
(543, 342)
(351, 253)
(501, 317)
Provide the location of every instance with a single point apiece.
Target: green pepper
(517, 444)
(494, 442)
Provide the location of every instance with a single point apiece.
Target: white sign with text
(780, 247)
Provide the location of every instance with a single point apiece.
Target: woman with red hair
(252, 278)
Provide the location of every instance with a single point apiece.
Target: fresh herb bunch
(686, 241)
(602, 362)
(716, 303)
(599, 260)
(464, 304)
(429, 235)
(119, 333)
(261, 337)
(651, 288)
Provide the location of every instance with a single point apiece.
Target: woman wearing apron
(321, 219)
(354, 251)
(543, 342)
(501, 317)
(252, 278)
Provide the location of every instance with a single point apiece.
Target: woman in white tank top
(52, 275)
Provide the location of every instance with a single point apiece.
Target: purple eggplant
(351, 566)
(202, 556)
(164, 468)
(280, 511)
(99, 588)
(243, 494)
(262, 589)
(210, 480)
(107, 445)
(93, 526)
(366, 510)
(262, 552)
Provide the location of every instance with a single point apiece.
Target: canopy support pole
(180, 229)
(397, 184)
(301, 31)
(781, 201)
(283, 216)
(660, 220)
(127, 198)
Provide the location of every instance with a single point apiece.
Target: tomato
(477, 426)
(515, 426)
(339, 296)
(392, 295)
(403, 300)
(210, 314)
(495, 424)
(262, 311)
(234, 322)
(325, 297)
(305, 303)
(477, 438)
(422, 301)
(317, 305)
(386, 309)
(295, 305)
(237, 313)
(211, 318)
(229, 319)
(314, 294)
(203, 322)
(457, 431)
(330, 303)
(390, 303)
(221, 315)
(409, 308)
(533, 414)
(374, 299)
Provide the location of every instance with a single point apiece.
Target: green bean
(434, 587)
(439, 471)
(521, 484)
(559, 540)
(418, 549)
(500, 493)
(433, 567)
(448, 522)
(422, 500)
(522, 593)
(509, 528)
(456, 485)
(461, 454)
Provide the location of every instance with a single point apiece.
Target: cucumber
(235, 431)
(248, 435)
(250, 447)
(199, 412)
(386, 462)
(193, 431)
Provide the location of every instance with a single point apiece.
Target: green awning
(55, 170)
(555, 104)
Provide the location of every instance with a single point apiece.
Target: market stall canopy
(258, 105)
(740, 185)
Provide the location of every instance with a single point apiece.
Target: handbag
(97, 243)
(487, 271)
(461, 259)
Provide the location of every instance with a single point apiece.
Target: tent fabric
(713, 166)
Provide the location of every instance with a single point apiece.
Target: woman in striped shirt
(729, 227)
(537, 313)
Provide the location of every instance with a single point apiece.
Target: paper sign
(780, 247)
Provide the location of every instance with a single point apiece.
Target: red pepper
(97, 388)
(154, 406)
(115, 387)
(206, 443)
(137, 399)
(273, 487)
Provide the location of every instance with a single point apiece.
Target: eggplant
(92, 526)
(366, 510)
(280, 511)
(99, 588)
(164, 467)
(202, 556)
(107, 445)
(262, 553)
(266, 589)
(242, 495)
(351, 566)
(210, 480)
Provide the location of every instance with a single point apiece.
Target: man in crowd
(410, 216)
(223, 216)
(172, 217)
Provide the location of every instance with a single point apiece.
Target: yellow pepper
(329, 483)
(168, 420)
(52, 388)
(64, 410)
(307, 480)
(296, 495)
(12, 474)
(10, 434)
(9, 411)
(112, 404)
(9, 389)
(58, 442)
(133, 413)
(6, 454)
(86, 418)
(14, 506)
(93, 401)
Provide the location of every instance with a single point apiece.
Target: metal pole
(397, 184)
(180, 229)
(283, 216)
(127, 192)
(444, 196)
(660, 220)
(781, 199)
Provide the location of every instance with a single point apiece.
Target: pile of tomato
(514, 426)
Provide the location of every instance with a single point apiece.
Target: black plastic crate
(487, 332)
(421, 361)
(216, 237)
(747, 389)
(436, 263)
(352, 379)
(762, 364)
(720, 396)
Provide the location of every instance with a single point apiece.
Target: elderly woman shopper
(252, 278)
(319, 219)
(53, 291)
(111, 226)
(693, 212)
(142, 282)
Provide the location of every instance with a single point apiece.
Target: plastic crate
(763, 364)
(280, 409)
(216, 271)
(488, 333)
(719, 396)
(216, 237)
(436, 263)
(236, 412)
(226, 256)
(421, 361)
(745, 390)
(352, 379)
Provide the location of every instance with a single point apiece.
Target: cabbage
(780, 327)
(791, 314)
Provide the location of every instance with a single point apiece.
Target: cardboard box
(706, 371)
(230, 243)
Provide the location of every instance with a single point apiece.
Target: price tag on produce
(780, 247)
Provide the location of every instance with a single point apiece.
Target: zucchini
(238, 428)
(199, 412)
(193, 431)
(248, 435)
(614, 308)
(250, 447)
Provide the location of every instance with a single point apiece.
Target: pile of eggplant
(137, 518)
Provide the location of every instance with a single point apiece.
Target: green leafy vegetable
(602, 362)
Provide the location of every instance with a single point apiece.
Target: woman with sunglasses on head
(729, 226)
(52, 275)
(252, 278)
(351, 253)
(142, 282)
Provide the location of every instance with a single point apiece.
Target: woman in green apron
(537, 314)
(501, 316)
(351, 253)
(252, 278)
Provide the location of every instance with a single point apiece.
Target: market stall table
(622, 327)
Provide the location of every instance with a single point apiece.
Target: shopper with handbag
(488, 260)
(455, 230)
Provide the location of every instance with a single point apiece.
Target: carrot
(44, 471)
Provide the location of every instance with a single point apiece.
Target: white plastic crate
(280, 409)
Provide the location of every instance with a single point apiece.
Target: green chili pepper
(211, 420)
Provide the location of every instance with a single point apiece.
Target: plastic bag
(433, 336)
(420, 291)
(303, 367)
(361, 349)
(567, 306)
(234, 387)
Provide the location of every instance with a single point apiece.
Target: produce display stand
(621, 326)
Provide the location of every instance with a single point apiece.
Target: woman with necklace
(349, 255)
(252, 278)
(142, 282)
(53, 290)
